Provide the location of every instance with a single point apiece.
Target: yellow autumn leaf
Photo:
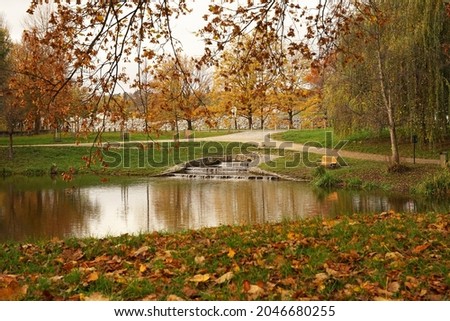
(231, 253)
(198, 278)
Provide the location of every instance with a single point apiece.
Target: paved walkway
(261, 137)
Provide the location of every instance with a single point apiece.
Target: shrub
(438, 186)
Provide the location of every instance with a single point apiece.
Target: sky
(14, 14)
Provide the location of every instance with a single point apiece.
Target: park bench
(329, 161)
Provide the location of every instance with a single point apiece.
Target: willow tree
(389, 71)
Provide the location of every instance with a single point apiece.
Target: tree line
(360, 65)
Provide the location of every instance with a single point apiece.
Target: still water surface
(42, 208)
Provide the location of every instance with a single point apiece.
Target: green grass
(365, 142)
(359, 174)
(71, 138)
(139, 159)
(358, 257)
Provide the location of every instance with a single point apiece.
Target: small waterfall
(219, 169)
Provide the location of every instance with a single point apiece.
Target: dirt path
(261, 138)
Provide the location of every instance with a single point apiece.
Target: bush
(324, 179)
(438, 186)
(354, 183)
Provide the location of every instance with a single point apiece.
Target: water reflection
(36, 208)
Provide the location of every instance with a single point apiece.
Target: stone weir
(228, 167)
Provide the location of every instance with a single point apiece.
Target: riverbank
(387, 256)
(154, 158)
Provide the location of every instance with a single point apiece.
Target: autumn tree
(245, 74)
(295, 92)
(142, 30)
(180, 88)
(39, 83)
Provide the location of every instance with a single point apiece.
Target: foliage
(392, 57)
(437, 186)
(326, 180)
(359, 257)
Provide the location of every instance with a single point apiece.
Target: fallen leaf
(393, 287)
(200, 278)
(92, 277)
(420, 248)
(190, 292)
(254, 292)
(321, 277)
(231, 253)
(96, 296)
(246, 284)
(225, 278)
(174, 297)
(199, 259)
(393, 256)
(142, 268)
(141, 250)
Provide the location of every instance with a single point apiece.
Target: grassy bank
(139, 159)
(389, 256)
(359, 174)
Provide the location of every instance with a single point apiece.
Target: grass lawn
(388, 256)
(141, 159)
(362, 142)
(71, 138)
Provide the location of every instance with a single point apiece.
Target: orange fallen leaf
(142, 268)
(421, 248)
(92, 277)
(246, 284)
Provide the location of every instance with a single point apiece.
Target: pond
(32, 208)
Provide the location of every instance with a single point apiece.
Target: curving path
(261, 138)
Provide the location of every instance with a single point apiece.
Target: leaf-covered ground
(386, 256)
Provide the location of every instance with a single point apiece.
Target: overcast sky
(14, 13)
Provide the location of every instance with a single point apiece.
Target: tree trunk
(250, 122)
(291, 119)
(10, 145)
(386, 95)
(189, 124)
